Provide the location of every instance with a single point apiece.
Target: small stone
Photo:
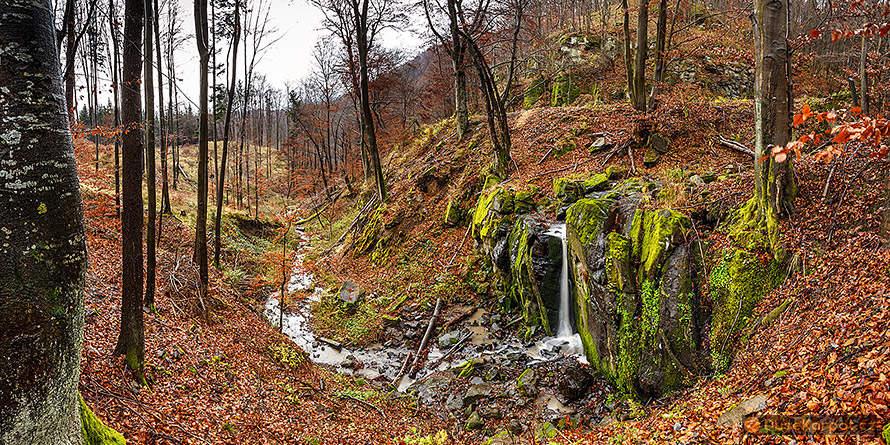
(349, 292)
(697, 180)
(476, 393)
(708, 177)
(650, 158)
(515, 428)
(347, 364)
(474, 422)
(526, 383)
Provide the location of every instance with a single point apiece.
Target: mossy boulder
(453, 214)
(738, 281)
(536, 88)
(571, 189)
(535, 273)
(634, 294)
(565, 91)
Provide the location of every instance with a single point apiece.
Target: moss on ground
(94, 431)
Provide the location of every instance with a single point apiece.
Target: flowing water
(385, 361)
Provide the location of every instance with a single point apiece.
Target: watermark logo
(811, 425)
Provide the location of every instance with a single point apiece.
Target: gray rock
(527, 383)
(488, 412)
(474, 422)
(350, 292)
(515, 428)
(736, 414)
(449, 339)
(697, 180)
(347, 363)
(477, 393)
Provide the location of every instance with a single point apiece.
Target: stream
(385, 360)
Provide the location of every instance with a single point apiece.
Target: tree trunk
(863, 74)
(370, 135)
(627, 52)
(203, 135)
(642, 50)
(165, 131)
(151, 257)
(774, 182)
(131, 340)
(230, 98)
(115, 76)
(43, 255)
(660, 47)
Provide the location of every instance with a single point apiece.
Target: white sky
(298, 25)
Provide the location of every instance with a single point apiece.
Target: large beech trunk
(42, 245)
(774, 182)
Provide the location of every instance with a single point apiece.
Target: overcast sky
(298, 26)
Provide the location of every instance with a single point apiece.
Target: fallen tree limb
(426, 336)
(735, 146)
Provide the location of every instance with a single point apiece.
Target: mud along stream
(477, 371)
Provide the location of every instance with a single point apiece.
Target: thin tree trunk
(165, 131)
(131, 340)
(639, 81)
(863, 74)
(151, 260)
(220, 184)
(203, 135)
(116, 134)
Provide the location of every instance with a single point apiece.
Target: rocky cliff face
(633, 276)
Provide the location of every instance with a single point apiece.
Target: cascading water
(564, 326)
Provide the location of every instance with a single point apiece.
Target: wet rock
(474, 422)
(477, 393)
(350, 292)
(429, 389)
(573, 384)
(527, 383)
(347, 363)
(515, 428)
(453, 403)
(449, 339)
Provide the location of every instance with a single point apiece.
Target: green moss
(585, 218)
(618, 261)
(367, 241)
(453, 214)
(662, 226)
(525, 383)
(616, 172)
(525, 200)
(535, 90)
(94, 431)
(564, 91)
(737, 284)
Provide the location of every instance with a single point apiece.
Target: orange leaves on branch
(852, 127)
(814, 33)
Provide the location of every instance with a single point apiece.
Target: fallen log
(733, 145)
(430, 328)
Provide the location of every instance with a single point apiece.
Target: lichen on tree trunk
(43, 254)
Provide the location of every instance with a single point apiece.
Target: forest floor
(220, 374)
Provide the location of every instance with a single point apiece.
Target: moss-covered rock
(570, 189)
(737, 282)
(453, 214)
(368, 238)
(633, 291)
(536, 88)
(94, 431)
(565, 91)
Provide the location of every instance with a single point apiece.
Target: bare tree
(230, 97)
(200, 254)
(456, 48)
(131, 341)
(151, 257)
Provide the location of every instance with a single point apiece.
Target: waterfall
(564, 326)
